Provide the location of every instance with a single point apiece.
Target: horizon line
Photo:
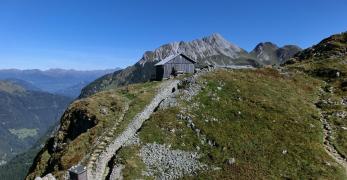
(64, 69)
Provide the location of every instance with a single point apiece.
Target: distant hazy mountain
(213, 50)
(26, 85)
(55, 80)
(74, 90)
(268, 53)
(25, 115)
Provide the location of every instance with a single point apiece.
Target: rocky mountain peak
(216, 36)
(269, 53)
(265, 52)
(265, 45)
(219, 41)
(197, 49)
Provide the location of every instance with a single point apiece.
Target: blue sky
(99, 34)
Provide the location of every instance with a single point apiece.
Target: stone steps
(105, 140)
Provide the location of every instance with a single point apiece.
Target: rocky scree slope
(213, 50)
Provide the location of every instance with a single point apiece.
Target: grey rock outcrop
(165, 163)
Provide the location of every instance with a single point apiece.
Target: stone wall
(165, 90)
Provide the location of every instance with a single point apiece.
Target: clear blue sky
(98, 34)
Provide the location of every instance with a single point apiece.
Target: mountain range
(211, 50)
(57, 81)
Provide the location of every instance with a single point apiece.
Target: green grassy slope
(264, 120)
(327, 61)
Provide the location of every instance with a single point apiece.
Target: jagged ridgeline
(213, 50)
(283, 123)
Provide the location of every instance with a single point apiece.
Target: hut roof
(78, 169)
(169, 58)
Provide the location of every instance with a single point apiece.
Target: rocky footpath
(328, 130)
(97, 170)
(328, 145)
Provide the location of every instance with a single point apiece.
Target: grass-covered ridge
(264, 122)
(84, 122)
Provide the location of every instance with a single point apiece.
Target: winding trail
(328, 136)
(328, 145)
